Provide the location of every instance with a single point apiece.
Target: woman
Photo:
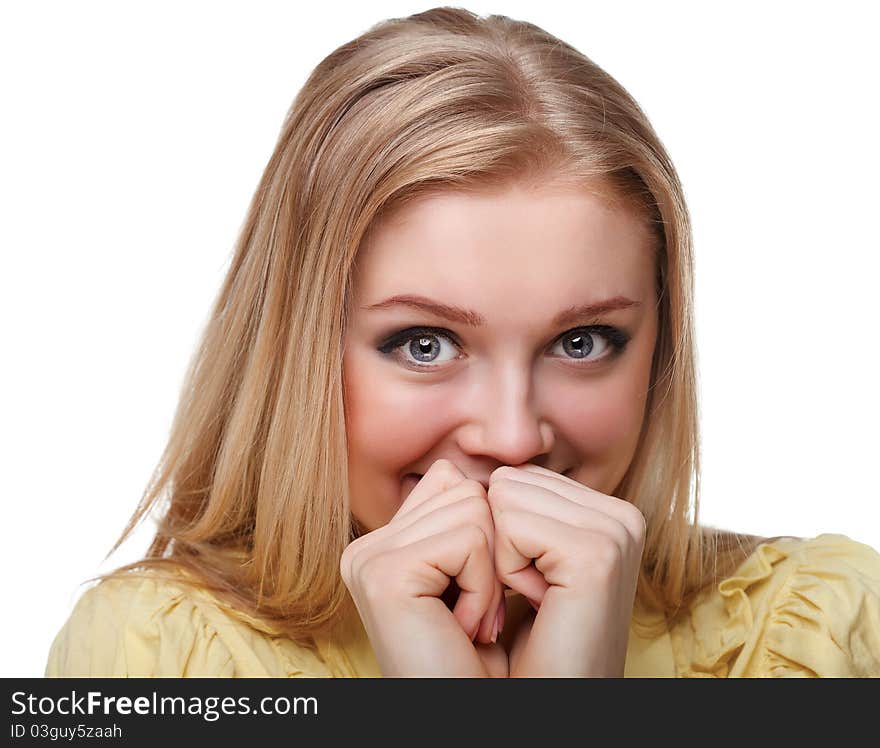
(443, 420)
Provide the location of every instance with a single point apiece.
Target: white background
(133, 136)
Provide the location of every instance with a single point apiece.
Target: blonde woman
(443, 419)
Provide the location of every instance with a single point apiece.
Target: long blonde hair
(254, 474)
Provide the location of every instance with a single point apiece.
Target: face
(488, 357)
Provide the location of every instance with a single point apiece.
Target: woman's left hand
(587, 550)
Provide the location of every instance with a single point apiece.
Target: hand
(397, 573)
(587, 549)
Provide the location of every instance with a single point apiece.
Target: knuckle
(601, 557)
(445, 467)
(372, 576)
(477, 508)
(346, 561)
(497, 489)
(501, 521)
(345, 566)
(634, 523)
(507, 577)
(500, 472)
(358, 558)
(476, 537)
(638, 525)
(618, 534)
(607, 554)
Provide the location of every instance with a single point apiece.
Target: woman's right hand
(396, 575)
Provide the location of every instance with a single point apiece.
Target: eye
(420, 347)
(578, 344)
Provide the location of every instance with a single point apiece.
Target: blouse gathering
(802, 608)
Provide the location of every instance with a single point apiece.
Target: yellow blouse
(794, 608)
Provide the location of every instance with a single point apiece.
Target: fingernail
(494, 630)
(533, 603)
(475, 630)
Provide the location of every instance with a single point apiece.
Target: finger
(467, 488)
(462, 500)
(625, 512)
(487, 625)
(523, 536)
(443, 473)
(538, 470)
(470, 510)
(441, 476)
(515, 495)
(461, 553)
(463, 490)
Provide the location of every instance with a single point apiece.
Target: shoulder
(796, 607)
(146, 625)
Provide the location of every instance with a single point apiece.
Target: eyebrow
(573, 314)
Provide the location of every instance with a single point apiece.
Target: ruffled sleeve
(794, 608)
(143, 627)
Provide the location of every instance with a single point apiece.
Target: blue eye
(419, 348)
(421, 344)
(579, 343)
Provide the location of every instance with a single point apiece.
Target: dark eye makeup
(580, 337)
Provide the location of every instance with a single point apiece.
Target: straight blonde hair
(254, 474)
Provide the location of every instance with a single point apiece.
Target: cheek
(389, 422)
(604, 418)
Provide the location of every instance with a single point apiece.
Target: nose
(502, 421)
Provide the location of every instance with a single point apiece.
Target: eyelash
(617, 338)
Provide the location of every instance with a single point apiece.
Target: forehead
(518, 241)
